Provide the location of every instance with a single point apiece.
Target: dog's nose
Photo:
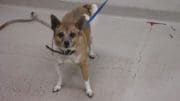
(66, 44)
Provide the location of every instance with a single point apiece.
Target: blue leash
(95, 14)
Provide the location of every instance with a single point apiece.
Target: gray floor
(133, 63)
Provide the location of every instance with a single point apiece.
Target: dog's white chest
(69, 59)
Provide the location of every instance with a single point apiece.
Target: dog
(75, 40)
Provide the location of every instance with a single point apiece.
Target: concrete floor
(133, 62)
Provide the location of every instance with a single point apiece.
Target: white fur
(59, 81)
(94, 8)
(88, 88)
(69, 59)
(86, 17)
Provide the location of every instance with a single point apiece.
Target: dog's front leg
(59, 81)
(58, 67)
(84, 71)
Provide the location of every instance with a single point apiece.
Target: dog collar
(61, 51)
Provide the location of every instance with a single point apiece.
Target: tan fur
(74, 16)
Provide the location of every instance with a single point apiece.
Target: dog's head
(66, 35)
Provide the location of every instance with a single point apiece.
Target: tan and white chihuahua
(75, 40)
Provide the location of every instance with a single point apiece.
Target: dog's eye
(72, 35)
(61, 35)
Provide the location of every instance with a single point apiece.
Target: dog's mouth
(62, 52)
(66, 51)
(65, 48)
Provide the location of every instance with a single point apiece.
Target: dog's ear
(80, 24)
(55, 22)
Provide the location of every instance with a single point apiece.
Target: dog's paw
(57, 88)
(89, 93)
(92, 55)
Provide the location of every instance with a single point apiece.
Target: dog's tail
(92, 8)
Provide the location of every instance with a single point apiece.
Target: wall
(150, 9)
(165, 5)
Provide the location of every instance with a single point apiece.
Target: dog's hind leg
(90, 44)
(91, 52)
(93, 9)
